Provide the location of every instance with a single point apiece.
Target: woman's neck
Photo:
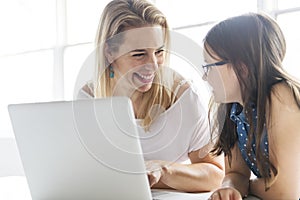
(136, 99)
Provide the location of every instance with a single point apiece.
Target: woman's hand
(155, 170)
(227, 193)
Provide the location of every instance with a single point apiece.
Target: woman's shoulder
(187, 95)
(187, 92)
(87, 90)
(180, 86)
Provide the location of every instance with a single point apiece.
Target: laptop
(84, 149)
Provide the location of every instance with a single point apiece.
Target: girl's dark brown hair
(255, 46)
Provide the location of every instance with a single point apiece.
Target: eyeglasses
(206, 67)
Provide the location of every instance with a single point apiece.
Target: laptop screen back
(85, 149)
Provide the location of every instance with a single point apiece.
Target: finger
(148, 165)
(229, 194)
(155, 177)
(224, 195)
(237, 196)
(151, 179)
(215, 196)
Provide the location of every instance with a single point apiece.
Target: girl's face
(138, 58)
(223, 80)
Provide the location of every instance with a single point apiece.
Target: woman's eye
(159, 52)
(138, 55)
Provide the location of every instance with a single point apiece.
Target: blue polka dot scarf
(238, 117)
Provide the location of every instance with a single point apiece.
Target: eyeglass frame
(206, 67)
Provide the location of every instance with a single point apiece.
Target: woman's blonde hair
(119, 16)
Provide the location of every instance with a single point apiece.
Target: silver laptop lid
(85, 149)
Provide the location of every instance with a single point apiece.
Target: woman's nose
(151, 66)
(153, 58)
(152, 63)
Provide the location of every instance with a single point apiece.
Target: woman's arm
(204, 174)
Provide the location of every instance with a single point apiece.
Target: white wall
(10, 163)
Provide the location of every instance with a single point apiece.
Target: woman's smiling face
(139, 57)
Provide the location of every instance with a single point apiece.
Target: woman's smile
(144, 78)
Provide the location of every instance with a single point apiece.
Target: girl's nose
(204, 77)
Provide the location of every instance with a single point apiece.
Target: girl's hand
(227, 193)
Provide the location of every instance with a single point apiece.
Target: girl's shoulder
(282, 96)
(283, 114)
(284, 136)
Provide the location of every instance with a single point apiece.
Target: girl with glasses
(257, 106)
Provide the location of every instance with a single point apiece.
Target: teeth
(146, 77)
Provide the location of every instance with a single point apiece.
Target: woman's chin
(144, 88)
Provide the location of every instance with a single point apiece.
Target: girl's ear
(108, 54)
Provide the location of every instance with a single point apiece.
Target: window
(82, 19)
(192, 19)
(75, 59)
(26, 25)
(287, 4)
(193, 12)
(287, 23)
(26, 54)
(45, 43)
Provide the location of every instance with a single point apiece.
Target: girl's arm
(236, 182)
(237, 174)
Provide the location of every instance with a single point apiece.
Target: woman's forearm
(198, 177)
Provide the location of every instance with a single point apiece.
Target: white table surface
(16, 188)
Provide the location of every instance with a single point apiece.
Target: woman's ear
(108, 54)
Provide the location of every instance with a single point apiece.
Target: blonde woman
(132, 44)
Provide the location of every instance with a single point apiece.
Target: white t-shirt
(181, 129)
